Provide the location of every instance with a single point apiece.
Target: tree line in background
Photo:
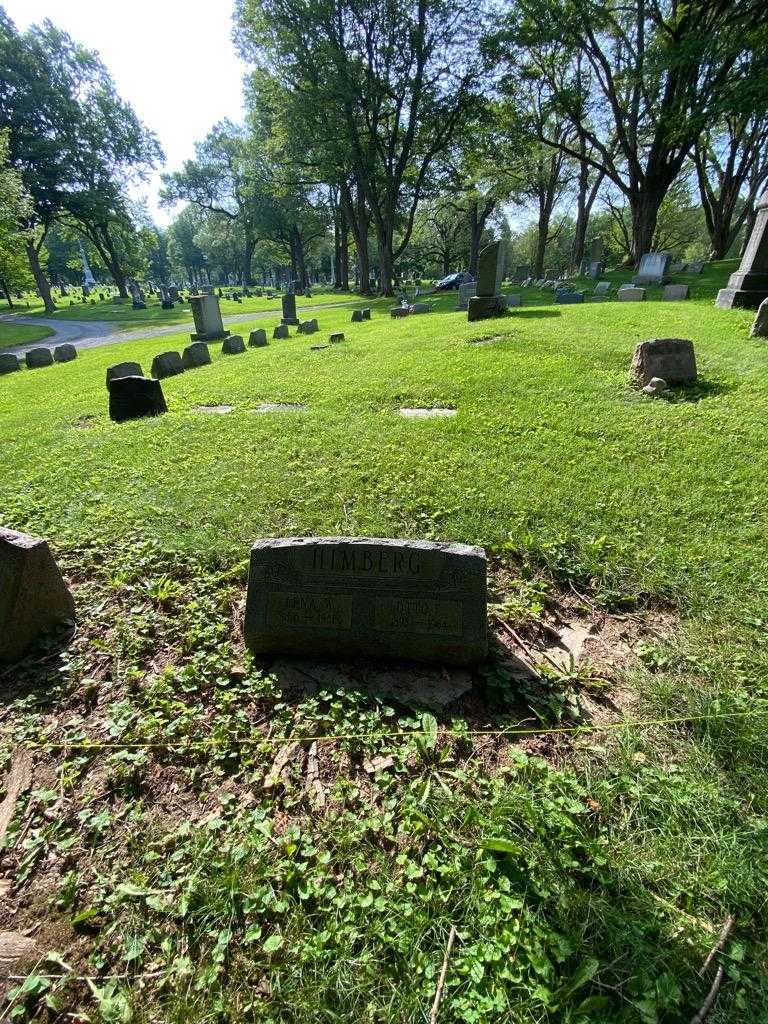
(387, 140)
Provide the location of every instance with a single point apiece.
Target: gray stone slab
(396, 312)
(9, 363)
(281, 331)
(64, 353)
(124, 370)
(207, 315)
(483, 307)
(366, 313)
(569, 298)
(749, 285)
(195, 355)
(289, 310)
(465, 293)
(426, 414)
(219, 410)
(675, 292)
(513, 301)
(631, 294)
(421, 307)
(672, 359)
(280, 407)
(336, 339)
(367, 597)
(308, 327)
(759, 327)
(33, 595)
(490, 269)
(167, 364)
(653, 268)
(131, 398)
(602, 288)
(233, 345)
(357, 316)
(257, 339)
(38, 357)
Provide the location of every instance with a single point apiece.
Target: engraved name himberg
(380, 562)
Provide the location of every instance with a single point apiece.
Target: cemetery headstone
(37, 357)
(759, 327)
(421, 307)
(675, 292)
(337, 338)
(167, 364)
(653, 268)
(696, 267)
(399, 311)
(9, 363)
(749, 285)
(522, 272)
(564, 298)
(602, 288)
(357, 316)
(366, 313)
(513, 301)
(289, 310)
(281, 331)
(630, 294)
(207, 316)
(672, 359)
(64, 353)
(465, 292)
(488, 302)
(233, 345)
(195, 355)
(308, 327)
(131, 398)
(33, 594)
(124, 370)
(256, 339)
(366, 597)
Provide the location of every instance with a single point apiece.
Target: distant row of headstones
(35, 358)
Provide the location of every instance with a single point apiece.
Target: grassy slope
(20, 334)
(619, 865)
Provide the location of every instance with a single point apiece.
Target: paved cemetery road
(95, 333)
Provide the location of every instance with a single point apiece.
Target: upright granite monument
(489, 301)
(749, 285)
(290, 319)
(653, 268)
(465, 293)
(361, 596)
(33, 595)
(208, 323)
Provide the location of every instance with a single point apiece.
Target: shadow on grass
(702, 389)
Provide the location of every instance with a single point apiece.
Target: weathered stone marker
(289, 310)
(256, 339)
(130, 398)
(124, 370)
(357, 316)
(672, 359)
(64, 353)
(564, 298)
(33, 595)
(208, 323)
(749, 285)
(233, 345)
(490, 273)
(281, 331)
(361, 596)
(167, 364)
(675, 292)
(37, 357)
(653, 268)
(195, 355)
(366, 313)
(465, 292)
(9, 363)
(335, 339)
(629, 294)
(759, 327)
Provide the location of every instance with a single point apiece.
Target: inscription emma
(328, 611)
(365, 561)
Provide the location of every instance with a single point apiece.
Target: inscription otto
(418, 615)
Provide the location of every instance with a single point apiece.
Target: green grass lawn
(124, 316)
(20, 334)
(587, 875)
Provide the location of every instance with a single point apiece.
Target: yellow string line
(338, 737)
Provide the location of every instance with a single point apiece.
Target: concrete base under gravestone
(744, 291)
(483, 307)
(211, 336)
(289, 321)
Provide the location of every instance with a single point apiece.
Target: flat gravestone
(318, 348)
(9, 363)
(281, 331)
(64, 353)
(233, 345)
(426, 414)
(672, 359)
(674, 292)
(399, 311)
(370, 598)
(280, 407)
(219, 410)
(631, 294)
(357, 316)
(167, 364)
(208, 323)
(131, 398)
(759, 327)
(337, 338)
(256, 339)
(124, 370)
(602, 288)
(195, 355)
(33, 595)
(308, 327)
(38, 357)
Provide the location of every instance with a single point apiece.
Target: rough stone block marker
(357, 316)
(513, 301)
(9, 363)
(674, 292)
(399, 311)
(256, 339)
(195, 355)
(37, 357)
(365, 597)
(233, 345)
(124, 370)
(167, 364)
(130, 398)
(631, 294)
(335, 339)
(672, 359)
(33, 596)
(366, 313)
(281, 331)
(64, 353)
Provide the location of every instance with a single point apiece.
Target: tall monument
(749, 285)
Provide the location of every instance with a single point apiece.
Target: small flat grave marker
(631, 294)
(220, 410)
(195, 355)
(336, 339)
(280, 407)
(426, 414)
(233, 345)
(367, 597)
(281, 331)
(357, 316)
(675, 292)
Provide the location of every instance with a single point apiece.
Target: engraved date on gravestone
(367, 597)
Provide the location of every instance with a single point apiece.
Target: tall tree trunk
(6, 293)
(580, 230)
(298, 259)
(475, 234)
(337, 216)
(40, 279)
(386, 261)
(248, 251)
(644, 206)
(343, 270)
(358, 218)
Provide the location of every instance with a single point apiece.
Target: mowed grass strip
(22, 334)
